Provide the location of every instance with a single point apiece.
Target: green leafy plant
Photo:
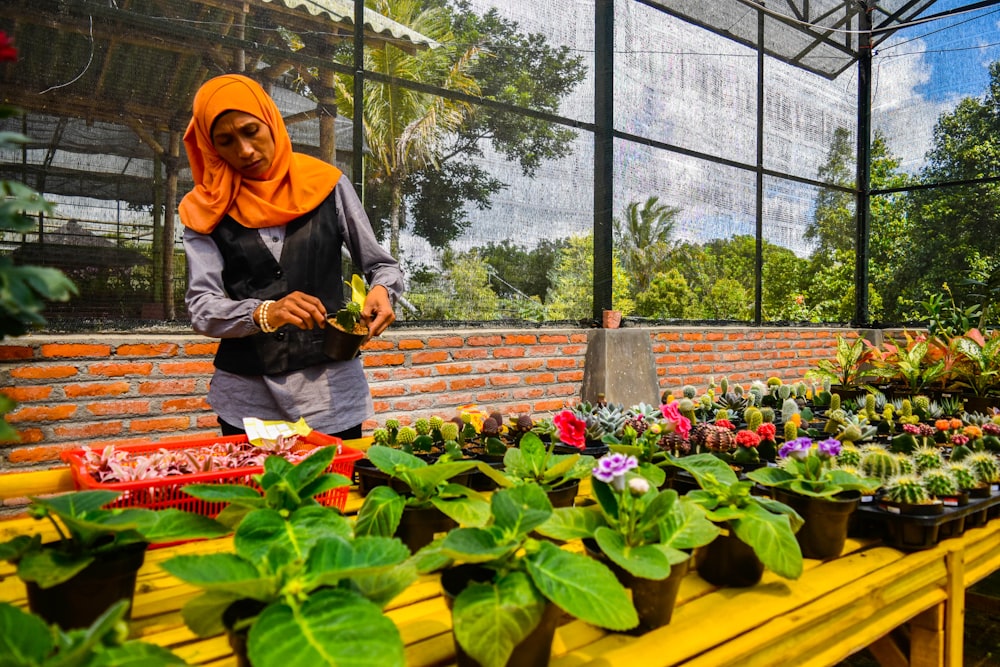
(284, 487)
(849, 365)
(308, 579)
(978, 367)
(27, 641)
(87, 532)
(641, 529)
(490, 618)
(809, 468)
(348, 317)
(909, 363)
(765, 525)
(532, 462)
(428, 485)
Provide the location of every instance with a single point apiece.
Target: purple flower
(611, 469)
(828, 448)
(797, 449)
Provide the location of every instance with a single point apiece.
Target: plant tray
(915, 532)
(165, 492)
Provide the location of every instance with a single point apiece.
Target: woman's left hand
(377, 312)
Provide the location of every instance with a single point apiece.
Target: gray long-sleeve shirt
(331, 397)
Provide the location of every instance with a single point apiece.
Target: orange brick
(541, 378)
(470, 354)
(207, 421)
(434, 357)
(185, 404)
(553, 339)
(561, 363)
(467, 383)
(397, 359)
(477, 341)
(551, 405)
(445, 341)
(160, 424)
(37, 454)
(454, 369)
(522, 365)
(187, 368)
(520, 339)
(120, 369)
(378, 345)
(146, 350)
(504, 380)
(96, 389)
(67, 350)
(385, 391)
(411, 344)
(162, 387)
(21, 394)
(43, 372)
(26, 436)
(134, 407)
(88, 431)
(436, 386)
(508, 352)
(41, 413)
(201, 349)
(16, 352)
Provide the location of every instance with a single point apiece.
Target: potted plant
(978, 368)
(531, 462)
(808, 480)
(760, 530)
(847, 370)
(428, 503)
(909, 364)
(649, 434)
(506, 589)
(29, 642)
(345, 332)
(297, 572)
(72, 580)
(646, 535)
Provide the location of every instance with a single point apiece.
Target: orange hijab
(295, 184)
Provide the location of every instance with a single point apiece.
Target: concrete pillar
(620, 365)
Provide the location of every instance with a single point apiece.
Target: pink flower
(767, 431)
(747, 439)
(672, 413)
(571, 429)
(7, 51)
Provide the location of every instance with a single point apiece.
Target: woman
(264, 228)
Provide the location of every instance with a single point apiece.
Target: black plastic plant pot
(79, 602)
(340, 345)
(419, 525)
(535, 650)
(237, 636)
(824, 532)
(728, 561)
(654, 599)
(565, 494)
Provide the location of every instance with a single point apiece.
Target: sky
(683, 85)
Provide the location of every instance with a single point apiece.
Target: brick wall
(107, 388)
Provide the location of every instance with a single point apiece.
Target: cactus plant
(927, 457)
(422, 426)
(907, 489)
(849, 455)
(939, 483)
(986, 466)
(768, 414)
(753, 418)
(877, 461)
(964, 474)
(689, 391)
(790, 431)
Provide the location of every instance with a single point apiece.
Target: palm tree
(405, 128)
(643, 240)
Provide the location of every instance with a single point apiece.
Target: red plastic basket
(166, 492)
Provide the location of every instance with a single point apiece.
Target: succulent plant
(789, 407)
(927, 457)
(733, 402)
(753, 418)
(611, 417)
(939, 483)
(380, 436)
(449, 431)
(784, 392)
(422, 426)
(436, 422)
(790, 431)
(689, 391)
(405, 437)
(768, 414)
(490, 428)
(708, 436)
(392, 424)
(986, 466)
(964, 474)
(934, 411)
(835, 402)
(907, 489)
(877, 461)
(921, 404)
(687, 409)
(904, 464)
(849, 455)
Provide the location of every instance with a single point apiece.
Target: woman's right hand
(298, 309)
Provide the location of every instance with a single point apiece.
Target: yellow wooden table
(835, 609)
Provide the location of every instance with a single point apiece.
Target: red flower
(571, 429)
(681, 424)
(7, 50)
(766, 431)
(747, 439)
(725, 423)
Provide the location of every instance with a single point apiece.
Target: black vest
(310, 262)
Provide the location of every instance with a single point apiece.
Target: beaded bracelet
(264, 325)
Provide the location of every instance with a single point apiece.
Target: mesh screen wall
(733, 191)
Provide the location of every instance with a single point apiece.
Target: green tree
(572, 279)
(493, 59)
(832, 227)
(888, 242)
(519, 271)
(643, 239)
(668, 297)
(405, 128)
(461, 291)
(954, 231)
